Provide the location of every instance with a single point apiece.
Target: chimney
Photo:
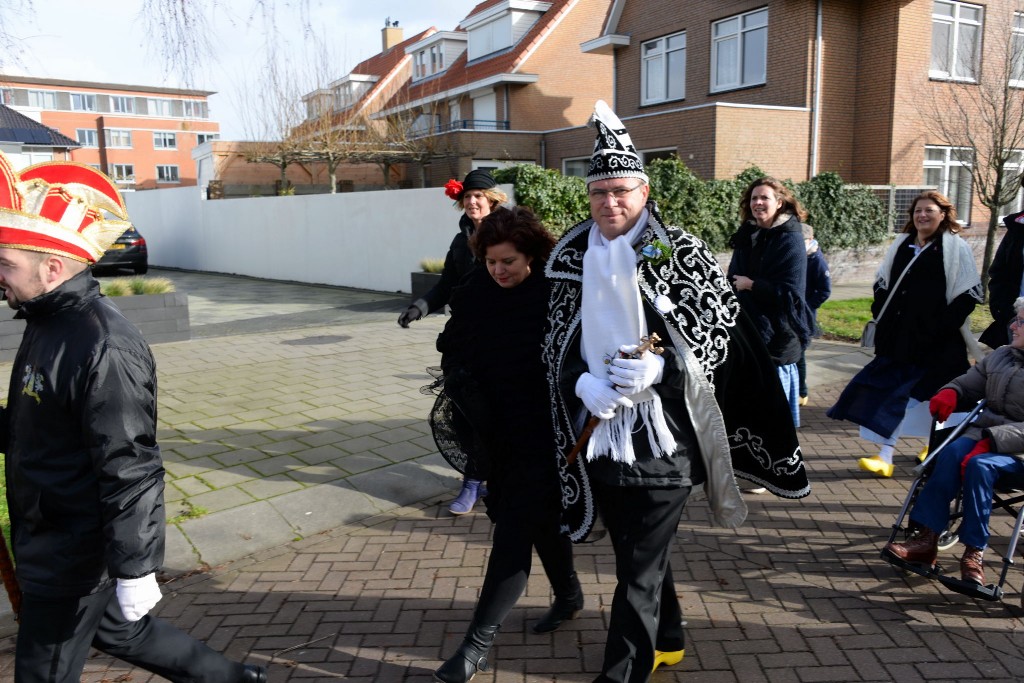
(390, 35)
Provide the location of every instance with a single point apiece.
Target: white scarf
(612, 315)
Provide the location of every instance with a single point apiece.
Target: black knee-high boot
(470, 657)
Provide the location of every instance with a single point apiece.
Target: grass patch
(844, 319)
(128, 286)
(190, 511)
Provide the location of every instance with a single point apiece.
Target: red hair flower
(453, 188)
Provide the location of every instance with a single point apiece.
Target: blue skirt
(877, 396)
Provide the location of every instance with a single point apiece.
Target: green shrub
(843, 216)
(127, 286)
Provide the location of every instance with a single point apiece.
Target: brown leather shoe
(972, 566)
(922, 549)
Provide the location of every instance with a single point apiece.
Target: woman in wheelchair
(990, 449)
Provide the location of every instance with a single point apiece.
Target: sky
(109, 41)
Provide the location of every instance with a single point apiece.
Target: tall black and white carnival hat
(614, 154)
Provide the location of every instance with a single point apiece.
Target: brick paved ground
(798, 594)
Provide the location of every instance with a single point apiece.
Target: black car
(129, 251)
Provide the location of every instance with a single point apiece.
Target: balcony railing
(473, 124)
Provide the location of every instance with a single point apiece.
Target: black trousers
(646, 615)
(526, 516)
(54, 636)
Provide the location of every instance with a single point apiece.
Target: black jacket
(84, 473)
(918, 328)
(777, 263)
(457, 264)
(1004, 282)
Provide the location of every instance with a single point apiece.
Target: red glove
(943, 404)
(983, 446)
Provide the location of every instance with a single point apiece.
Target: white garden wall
(367, 240)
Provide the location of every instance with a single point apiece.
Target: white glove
(137, 596)
(633, 375)
(599, 396)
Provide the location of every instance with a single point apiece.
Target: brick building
(798, 87)
(485, 93)
(140, 136)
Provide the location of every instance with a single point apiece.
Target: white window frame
(206, 137)
(956, 23)
(1014, 165)
(83, 101)
(653, 52)
(87, 137)
(160, 140)
(122, 104)
(122, 173)
(163, 104)
(117, 137)
(1017, 50)
(944, 166)
(649, 155)
(165, 170)
(740, 36)
(43, 99)
(194, 109)
(579, 163)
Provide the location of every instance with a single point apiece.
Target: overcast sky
(107, 41)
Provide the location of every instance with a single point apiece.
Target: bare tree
(983, 122)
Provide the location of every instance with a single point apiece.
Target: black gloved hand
(412, 313)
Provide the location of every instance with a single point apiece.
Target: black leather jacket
(84, 473)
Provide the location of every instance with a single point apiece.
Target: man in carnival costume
(85, 483)
(707, 410)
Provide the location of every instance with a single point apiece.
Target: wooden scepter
(9, 579)
(646, 344)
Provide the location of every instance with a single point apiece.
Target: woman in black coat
(496, 381)
(769, 272)
(928, 285)
(476, 197)
(1005, 281)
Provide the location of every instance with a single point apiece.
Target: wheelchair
(1008, 496)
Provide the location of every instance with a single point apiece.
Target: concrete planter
(160, 318)
(423, 283)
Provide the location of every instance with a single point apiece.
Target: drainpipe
(816, 95)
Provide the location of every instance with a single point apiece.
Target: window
(44, 99)
(649, 155)
(83, 102)
(165, 141)
(206, 137)
(122, 105)
(663, 74)
(1017, 50)
(87, 137)
(956, 40)
(116, 137)
(157, 107)
(195, 109)
(949, 169)
(123, 173)
(167, 174)
(739, 51)
(7, 95)
(576, 167)
(1013, 169)
(490, 37)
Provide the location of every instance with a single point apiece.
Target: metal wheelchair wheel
(948, 539)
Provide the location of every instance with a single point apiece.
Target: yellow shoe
(877, 466)
(667, 658)
(923, 455)
(802, 401)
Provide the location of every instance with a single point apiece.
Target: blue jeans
(932, 506)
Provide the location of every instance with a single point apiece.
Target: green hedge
(843, 216)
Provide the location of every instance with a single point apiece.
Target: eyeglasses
(617, 192)
(1016, 322)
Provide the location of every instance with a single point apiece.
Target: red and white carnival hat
(60, 207)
